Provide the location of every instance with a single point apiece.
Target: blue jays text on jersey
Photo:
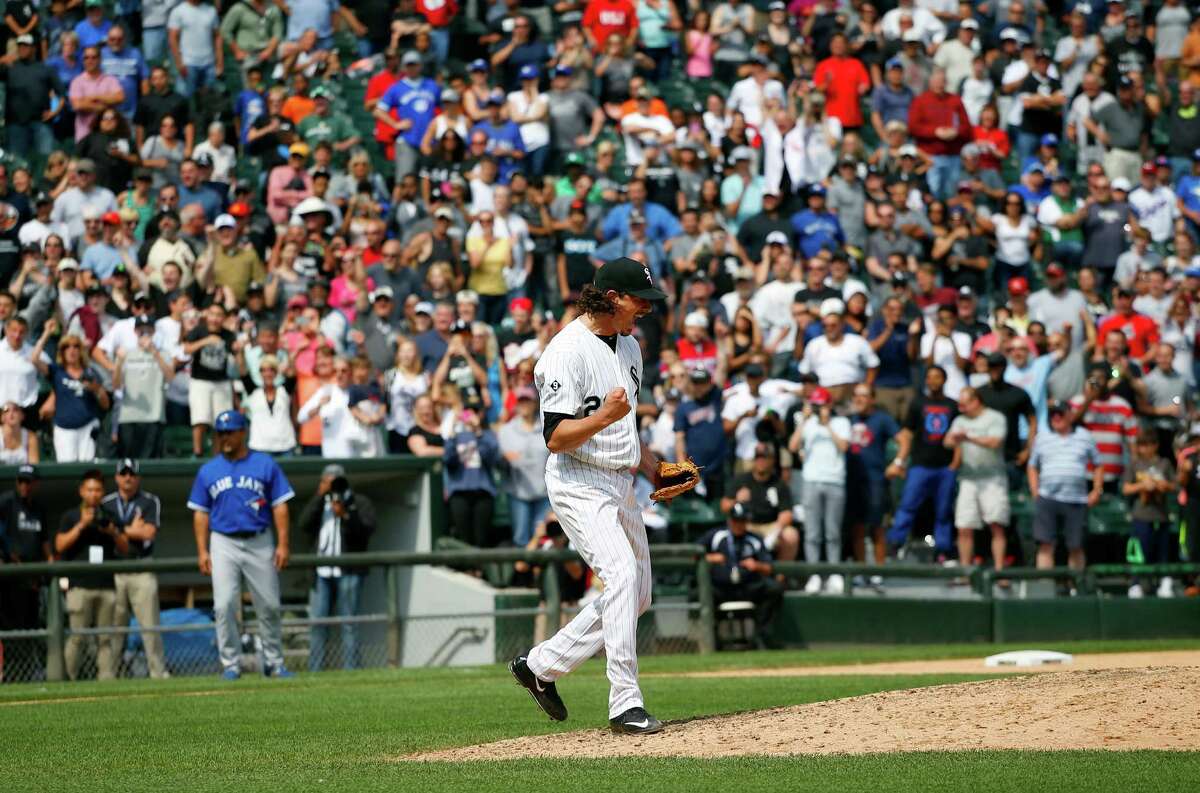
(239, 494)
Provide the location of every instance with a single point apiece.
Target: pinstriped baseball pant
(598, 513)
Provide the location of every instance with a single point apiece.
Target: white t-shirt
(736, 404)
(975, 96)
(658, 126)
(1012, 242)
(824, 463)
(1156, 211)
(18, 377)
(841, 363)
(772, 307)
(534, 134)
(747, 97)
(944, 356)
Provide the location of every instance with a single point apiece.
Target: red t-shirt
(1140, 332)
(439, 13)
(702, 354)
(377, 86)
(606, 17)
(840, 78)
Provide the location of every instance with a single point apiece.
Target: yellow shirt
(488, 278)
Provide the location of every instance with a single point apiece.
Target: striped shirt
(1060, 462)
(1113, 426)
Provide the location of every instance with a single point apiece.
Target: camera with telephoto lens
(339, 491)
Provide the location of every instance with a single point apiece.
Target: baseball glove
(675, 479)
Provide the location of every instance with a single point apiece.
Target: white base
(1028, 658)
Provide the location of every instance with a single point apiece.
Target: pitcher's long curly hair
(593, 301)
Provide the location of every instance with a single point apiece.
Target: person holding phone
(87, 534)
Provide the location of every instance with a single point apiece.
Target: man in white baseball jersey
(588, 379)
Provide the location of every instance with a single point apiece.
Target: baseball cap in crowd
(143, 324)
(673, 395)
(1018, 286)
(111, 219)
(1123, 291)
(738, 511)
(628, 276)
(1044, 55)
(911, 36)
(1122, 184)
(777, 5)
(520, 304)
(1162, 161)
(695, 319)
(966, 293)
(410, 57)
(1034, 167)
(1192, 272)
(255, 288)
(27, 473)
(754, 370)
(424, 307)
(318, 283)
(699, 375)
(297, 301)
(225, 221)
(1009, 34)
(529, 72)
(895, 63)
(1055, 270)
(1149, 168)
(899, 279)
(1196, 155)
(562, 70)
(466, 296)
(832, 305)
(525, 392)
(741, 153)
(908, 150)
(1049, 139)
(128, 465)
(817, 190)
(477, 65)
(495, 98)
(777, 238)
(636, 218)
(204, 161)
(1124, 82)
(42, 198)
(744, 273)
(141, 297)
(460, 326)
(67, 263)
(230, 421)
(239, 209)
(333, 470)
(25, 40)
(848, 159)
(996, 359)
(298, 149)
(382, 293)
(969, 24)
(820, 396)
(1061, 176)
(450, 95)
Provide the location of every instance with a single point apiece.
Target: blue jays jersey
(239, 494)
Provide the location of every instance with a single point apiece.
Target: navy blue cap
(563, 70)
(895, 63)
(529, 72)
(478, 65)
(230, 421)
(816, 189)
(1196, 155)
(27, 471)
(739, 511)
(1049, 139)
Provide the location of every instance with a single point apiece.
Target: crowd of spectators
(877, 225)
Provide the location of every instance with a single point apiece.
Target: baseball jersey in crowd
(1140, 332)
(239, 494)
(211, 362)
(767, 498)
(824, 463)
(817, 230)
(704, 433)
(1012, 402)
(1151, 507)
(929, 420)
(748, 546)
(1061, 462)
(574, 376)
(92, 546)
(75, 405)
(869, 437)
(24, 528)
(143, 504)
(1113, 427)
(980, 462)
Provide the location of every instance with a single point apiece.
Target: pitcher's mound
(1151, 708)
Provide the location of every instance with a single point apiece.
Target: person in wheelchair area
(742, 568)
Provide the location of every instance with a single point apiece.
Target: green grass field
(342, 731)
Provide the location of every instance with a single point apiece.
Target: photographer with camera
(340, 521)
(88, 533)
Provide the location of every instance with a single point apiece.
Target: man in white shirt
(37, 230)
(840, 360)
(745, 405)
(931, 29)
(339, 429)
(1081, 124)
(70, 205)
(1155, 207)
(1056, 306)
(18, 376)
(643, 130)
(750, 94)
(772, 303)
(949, 349)
(956, 55)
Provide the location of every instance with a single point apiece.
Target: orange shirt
(306, 386)
(295, 108)
(657, 107)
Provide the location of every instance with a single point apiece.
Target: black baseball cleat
(543, 693)
(635, 721)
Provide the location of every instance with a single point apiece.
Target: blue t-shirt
(869, 436)
(101, 259)
(892, 105)
(91, 35)
(895, 369)
(502, 138)
(74, 405)
(239, 494)
(817, 230)
(1188, 189)
(202, 196)
(703, 431)
(250, 106)
(416, 102)
(129, 67)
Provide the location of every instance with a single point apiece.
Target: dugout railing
(685, 563)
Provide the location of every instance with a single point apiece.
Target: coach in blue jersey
(235, 498)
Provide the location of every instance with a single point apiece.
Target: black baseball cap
(27, 472)
(460, 326)
(739, 511)
(996, 359)
(629, 277)
(128, 464)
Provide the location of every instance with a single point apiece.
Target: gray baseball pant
(253, 557)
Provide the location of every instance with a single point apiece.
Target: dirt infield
(1141, 708)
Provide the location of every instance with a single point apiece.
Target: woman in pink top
(350, 286)
(699, 46)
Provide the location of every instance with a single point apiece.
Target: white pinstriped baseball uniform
(591, 492)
